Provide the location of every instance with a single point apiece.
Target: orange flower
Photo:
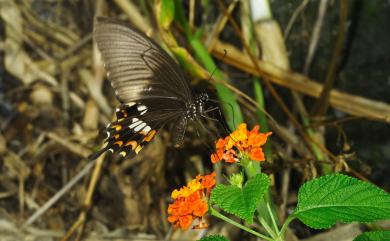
(230, 156)
(221, 143)
(208, 181)
(190, 202)
(191, 187)
(185, 222)
(215, 157)
(200, 208)
(241, 140)
(237, 136)
(257, 154)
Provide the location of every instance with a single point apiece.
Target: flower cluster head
(190, 202)
(241, 141)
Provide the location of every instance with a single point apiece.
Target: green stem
(219, 215)
(251, 168)
(268, 228)
(261, 115)
(285, 225)
(271, 214)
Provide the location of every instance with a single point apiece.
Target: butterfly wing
(135, 127)
(151, 86)
(136, 66)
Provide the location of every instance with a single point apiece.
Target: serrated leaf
(324, 201)
(214, 238)
(167, 13)
(241, 202)
(374, 236)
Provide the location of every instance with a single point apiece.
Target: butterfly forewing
(136, 66)
(147, 81)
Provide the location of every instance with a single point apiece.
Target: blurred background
(314, 72)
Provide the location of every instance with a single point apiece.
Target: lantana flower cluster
(190, 202)
(243, 141)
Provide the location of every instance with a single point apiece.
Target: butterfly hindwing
(130, 133)
(135, 127)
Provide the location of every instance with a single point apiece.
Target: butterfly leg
(202, 126)
(209, 118)
(221, 120)
(78, 225)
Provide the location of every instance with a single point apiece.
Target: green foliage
(214, 238)
(336, 197)
(241, 202)
(167, 13)
(374, 236)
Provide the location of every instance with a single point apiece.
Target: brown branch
(351, 104)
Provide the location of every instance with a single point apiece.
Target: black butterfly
(151, 87)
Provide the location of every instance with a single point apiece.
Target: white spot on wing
(138, 128)
(143, 112)
(135, 119)
(130, 104)
(141, 107)
(147, 129)
(135, 124)
(108, 134)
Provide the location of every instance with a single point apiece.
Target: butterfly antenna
(215, 68)
(224, 125)
(216, 101)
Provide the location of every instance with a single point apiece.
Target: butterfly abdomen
(179, 131)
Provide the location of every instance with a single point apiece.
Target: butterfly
(150, 86)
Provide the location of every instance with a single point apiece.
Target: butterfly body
(151, 87)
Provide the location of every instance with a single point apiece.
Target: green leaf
(214, 238)
(374, 236)
(167, 13)
(331, 198)
(241, 202)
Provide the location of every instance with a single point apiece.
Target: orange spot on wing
(133, 144)
(117, 127)
(149, 136)
(116, 136)
(119, 143)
